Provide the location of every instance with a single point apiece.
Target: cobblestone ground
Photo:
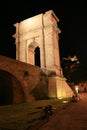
(73, 117)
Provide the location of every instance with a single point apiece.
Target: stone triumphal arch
(37, 43)
(38, 36)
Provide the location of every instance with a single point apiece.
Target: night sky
(73, 25)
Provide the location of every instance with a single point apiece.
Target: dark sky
(73, 25)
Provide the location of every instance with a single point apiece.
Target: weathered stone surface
(26, 82)
(39, 31)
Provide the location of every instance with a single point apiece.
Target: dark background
(73, 25)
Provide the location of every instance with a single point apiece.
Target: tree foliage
(73, 71)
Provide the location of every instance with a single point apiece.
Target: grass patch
(21, 116)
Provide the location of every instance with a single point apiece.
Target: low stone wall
(25, 82)
(21, 82)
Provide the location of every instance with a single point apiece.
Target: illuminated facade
(37, 39)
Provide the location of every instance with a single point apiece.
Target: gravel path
(73, 117)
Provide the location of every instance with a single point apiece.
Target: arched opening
(10, 89)
(37, 56)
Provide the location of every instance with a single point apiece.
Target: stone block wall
(27, 82)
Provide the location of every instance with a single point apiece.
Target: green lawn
(21, 116)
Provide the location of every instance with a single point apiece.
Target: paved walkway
(73, 117)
